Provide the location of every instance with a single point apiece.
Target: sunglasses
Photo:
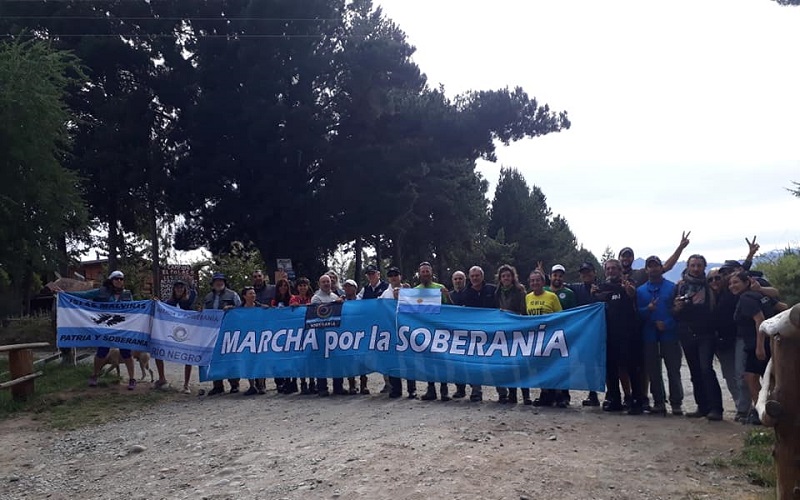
(714, 278)
(117, 279)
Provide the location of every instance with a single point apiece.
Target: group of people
(651, 322)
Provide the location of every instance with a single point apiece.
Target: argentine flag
(186, 337)
(85, 323)
(419, 300)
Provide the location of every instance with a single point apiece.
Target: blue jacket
(664, 293)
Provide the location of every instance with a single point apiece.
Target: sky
(685, 114)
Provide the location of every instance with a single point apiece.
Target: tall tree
(39, 198)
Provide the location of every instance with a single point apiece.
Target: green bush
(784, 274)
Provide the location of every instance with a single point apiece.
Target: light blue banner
(186, 337)
(460, 345)
(85, 323)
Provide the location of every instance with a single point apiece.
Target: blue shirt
(663, 293)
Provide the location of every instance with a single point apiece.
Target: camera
(686, 299)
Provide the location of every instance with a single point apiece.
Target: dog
(114, 359)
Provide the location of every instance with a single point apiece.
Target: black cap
(178, 282)
(730, 264)
(371, 269)
(626, 250)
(586, 266)
(392, 271)
(652, 258)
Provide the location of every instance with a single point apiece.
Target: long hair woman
(510, 297)
(303, 297)
(184, 298)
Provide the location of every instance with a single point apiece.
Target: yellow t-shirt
(545, 303)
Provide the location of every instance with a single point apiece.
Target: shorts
(102, 352)
(754, 365)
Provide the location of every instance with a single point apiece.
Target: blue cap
(219, 276)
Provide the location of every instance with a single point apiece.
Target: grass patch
(755, 458)
(63, 401)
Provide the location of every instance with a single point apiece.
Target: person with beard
(222, 297)
(584, 295)
(653, 300)
(624, 351)
(426, 281)
(510, 296)
(567, 299)
(477, 294)
(729, 347)
(638, 277)
(265, 293)
(692, 307)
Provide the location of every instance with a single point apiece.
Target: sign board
(285, 266)
(172, 273)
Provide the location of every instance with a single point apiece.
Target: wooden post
(20, 363)
(779, 401)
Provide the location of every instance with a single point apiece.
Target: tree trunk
(113, 243)
(359, 246)
(378, 254)
(155, 250)
(398, 256)
(63, 265)
(783, 407)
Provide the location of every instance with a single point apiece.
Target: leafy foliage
(783, 272)
(39, 199)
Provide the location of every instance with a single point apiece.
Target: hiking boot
(476, 397)
(460, 393)
(657, 409)
(412, 395)
(429, 395)
(252, 391)
(740, 417)
(714, 416)
(592, 400)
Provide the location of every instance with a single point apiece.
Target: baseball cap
(179, 282)
(653, 258)
(730, 264)
(392, 271)
(116, 274)
(371, 269)
(626, 250)
(558, 267)
(586, 266)
(351, 283)
(218, 276)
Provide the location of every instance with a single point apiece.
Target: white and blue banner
(85, 323)
(459, 345)
(186, 337)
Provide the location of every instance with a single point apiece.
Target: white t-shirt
(321, 297)
(388, 293)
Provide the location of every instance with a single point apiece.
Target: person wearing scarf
(692, 307)
(510, 296)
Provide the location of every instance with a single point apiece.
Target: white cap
(116, 274)
(351, 282)
(558, 267)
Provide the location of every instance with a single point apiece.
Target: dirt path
(294, 447)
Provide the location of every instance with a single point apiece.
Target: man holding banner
(426, 281)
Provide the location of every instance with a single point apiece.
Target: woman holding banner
(303, 297)
(184, 298)
(510, 296)
(283, 298)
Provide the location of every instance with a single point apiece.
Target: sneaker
(92, 381)
(216, 390)
(677, 410)
(714, 416)
(234, 390)
(696, 414)
(740, 417)
(252, 391)
(592, 400)
(159, 384)
(412, 395)
(752, 418)
(131, 384)
(186, 390)
(610, 405)
(475, 398)
(656, 409)
(635, 408)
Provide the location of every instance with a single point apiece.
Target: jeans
(670, 352)
(699, 347)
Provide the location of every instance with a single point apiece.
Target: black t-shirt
(723, 315)
(479, 298)
(620, 310)
(750, 303)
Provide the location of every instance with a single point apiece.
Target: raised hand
(685, 239)
(752, 246)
